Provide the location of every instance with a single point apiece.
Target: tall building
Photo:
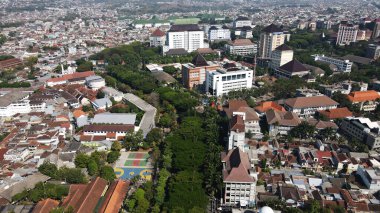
(376, 29)
(157, 38)
(221, 33)
(227, 79)
(187, 36)
(239, 178)
(347, 33)
(194, 73)
(373, 51)
(280, 56)
(271, 37)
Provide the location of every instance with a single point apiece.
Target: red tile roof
(158, 33)
(336, 113)
(45, 206)
(267, 105)
(72, 76)
(115, 196)
(237, 166)
(237, 124)
(362, 96)
(84, 198)
(314, 101)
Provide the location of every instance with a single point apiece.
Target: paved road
(148, 120)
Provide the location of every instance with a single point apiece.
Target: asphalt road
(148, 120)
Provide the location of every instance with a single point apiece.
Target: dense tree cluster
(69, 175)
(42, 191)
(96, 162)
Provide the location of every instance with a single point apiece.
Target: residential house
(280, 122)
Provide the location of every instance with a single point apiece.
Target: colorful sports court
(131, 164)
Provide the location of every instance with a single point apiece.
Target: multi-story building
(281, 122)
(157, 38)
(280, 56)
(363, 130)
(241, 47)
(244, 120)
(376, 29)
(244, 32)
(366, 100)
(308, 106)
(188, 37)
(373, 51)
(194, 73)
(290, 69)
(347, 33)
(370, 177)
(13, 103)
(239, 178)
(242, 22)
(271, 37)
(219, 33)
(342, 65)
(224, 80)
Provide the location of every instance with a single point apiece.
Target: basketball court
(131, 164)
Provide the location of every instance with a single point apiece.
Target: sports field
(131, 164)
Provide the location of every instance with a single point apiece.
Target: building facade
(188, 37)
(280, 56)
(308, 106)
(270, 38)
(194, 73)
(241, 47)
(347, 33)
(239, 178)
(222, 81)
(363, 130)
(157, 38)
(342, 65)
(219, 33)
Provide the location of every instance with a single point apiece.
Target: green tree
(132, 140)
(82, 160)
(92, 167)
(154, 136)
(48, 169)
(116, 146)
(113, 156)
(107, 173)
(303, 130)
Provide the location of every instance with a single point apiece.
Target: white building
(242, 22)
(95, 82)
(219, 33)
(342, 65)
(222, 81)
(244, 120)
(239, 179)
(280, 56)
(13, 103)
(241, 47)
(16, 155)
(308, 106)
(157, 38)
(347, 34)
(188, 37)
(363, 130)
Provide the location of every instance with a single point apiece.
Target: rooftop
(115, 118)
(184, 27)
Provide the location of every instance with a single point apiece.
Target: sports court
(131, 164)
